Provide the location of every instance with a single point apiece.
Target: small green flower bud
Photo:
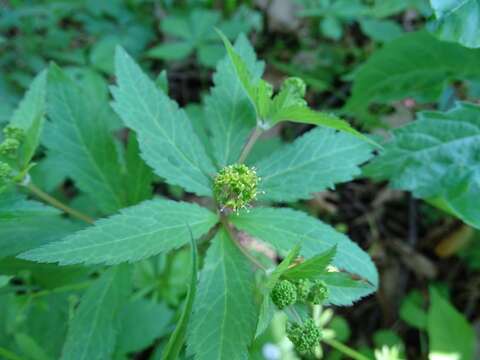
(318, 292)
(13, 132)
(296, 86)
(235, 186)
(284, 294)
(9, 147)
(5, 172)
(304, 337)
(303, 289)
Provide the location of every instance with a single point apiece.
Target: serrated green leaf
(312, 267)
(78, 134)
(141, 322)
(458, 21)
(165, 134)
(231, 116)
(343, 289)
(136, 233)
(283, 228)
(437, 156)
(242, 70)
(30, 116)
(415, 65)
(138, 176)
(282, 268)
(93, 330)
(177, 339)
(316, 161)
(224, 315)
(455, 341)
(305, 115)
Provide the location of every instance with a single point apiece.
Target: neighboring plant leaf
(449, 333)
(231, 117)
(165, 134)
(136, 233)
(412, 311)
(312, 267)
(141, 322)
(409, 66)
(78, 133)
(177, 339)
(437, 156)
(225, 314)
(457, 21)
(314, 162)
(284, 228)
(282, 268)
(30, 116)
(93, 330)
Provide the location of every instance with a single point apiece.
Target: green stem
(345, 349)
(66, 288)
(59, 205)
(249, 144)
(244, 251)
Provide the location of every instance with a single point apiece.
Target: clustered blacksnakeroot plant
(224, 302)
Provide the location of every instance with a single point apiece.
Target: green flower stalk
(304, 337)
(13, 132)
(284, 294)
(318, 292)
(235, 186)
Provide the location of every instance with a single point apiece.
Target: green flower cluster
(235, 186)
(13, 138)
(286, 293)
(304, 337)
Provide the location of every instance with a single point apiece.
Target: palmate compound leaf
(437, 156)
(137, 232)
(167, 140)
(415, 65)
(224, 312)
(284, 228)
(230, 114)
(314, 162)
(458, 21)
(93, 330)
(78, 134)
